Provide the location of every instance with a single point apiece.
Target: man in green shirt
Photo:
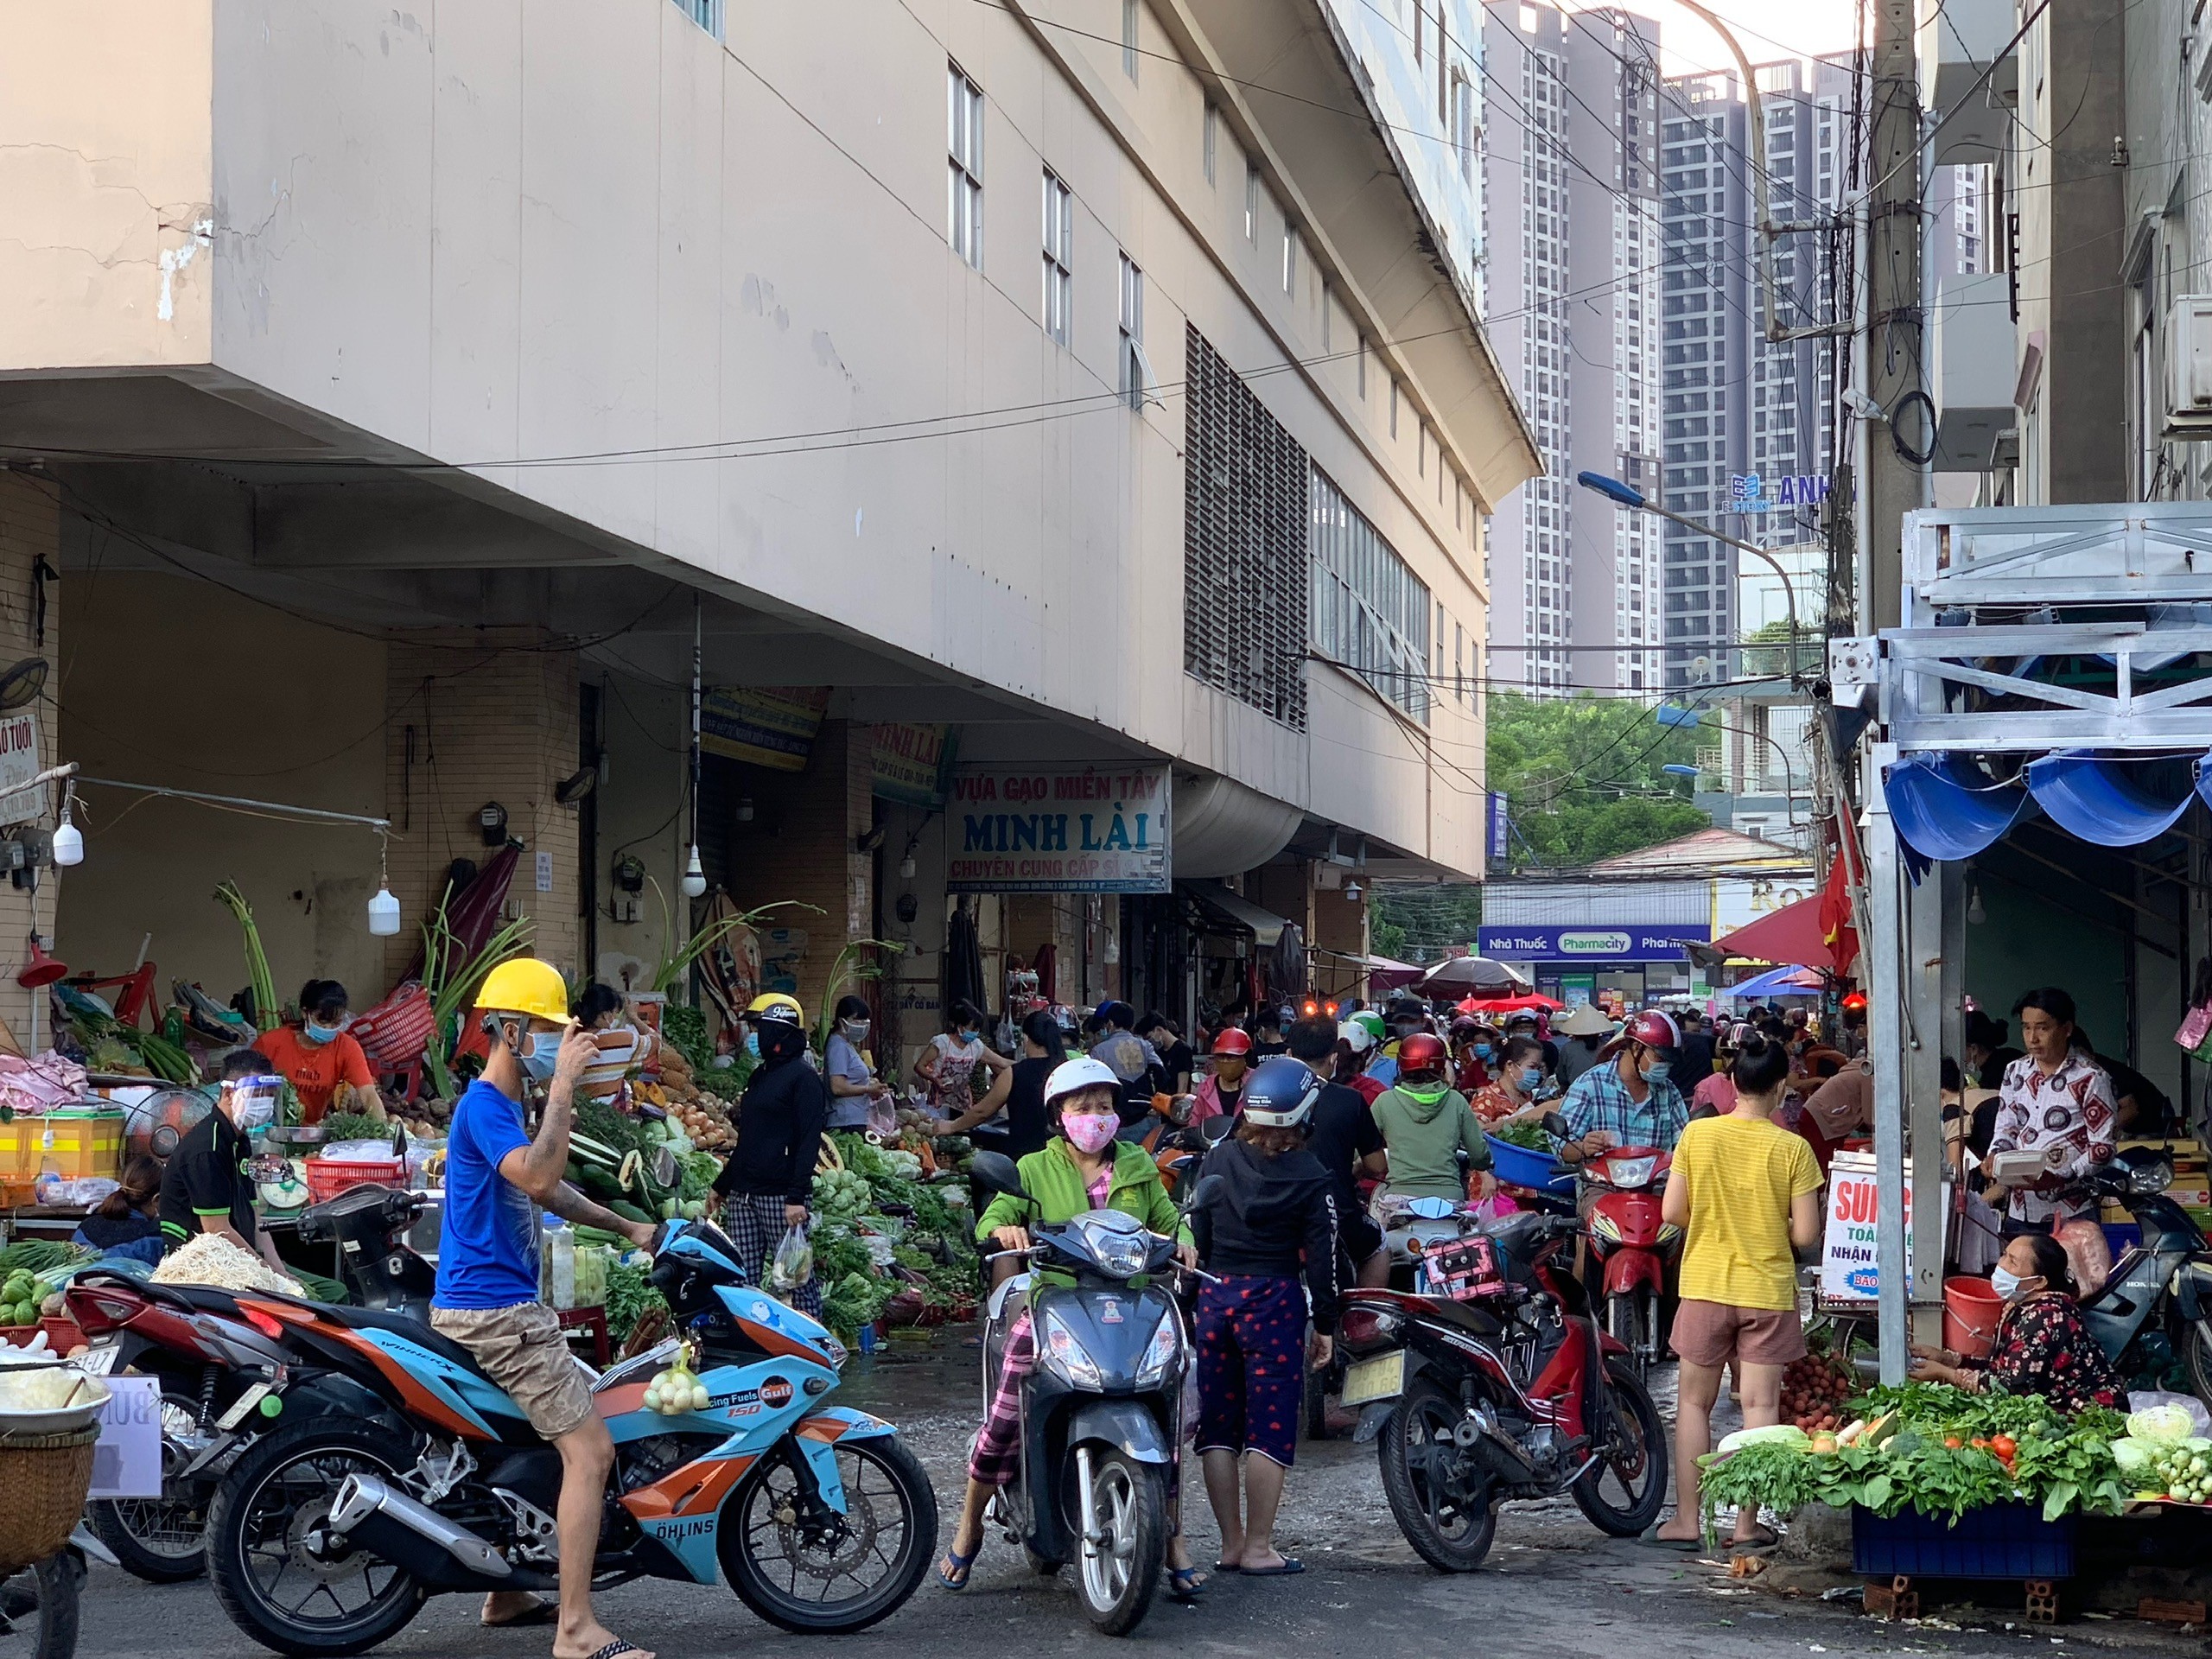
(1426, 1124)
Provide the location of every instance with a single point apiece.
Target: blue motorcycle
(389, 1468)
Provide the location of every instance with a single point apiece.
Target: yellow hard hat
(775, 1005)
(525, 985)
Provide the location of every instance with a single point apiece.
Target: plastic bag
(2188, 1404)
(792, 1264)
(883, 1116)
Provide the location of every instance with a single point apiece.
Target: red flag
(1836, 924)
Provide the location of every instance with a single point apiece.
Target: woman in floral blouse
(2042, 1346)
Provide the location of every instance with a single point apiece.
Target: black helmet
(1280, 1094)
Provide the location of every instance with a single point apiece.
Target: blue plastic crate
(2006, 1541)
(1518, 1166)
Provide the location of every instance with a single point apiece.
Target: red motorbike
(1498, 1386)
(1632, 1245)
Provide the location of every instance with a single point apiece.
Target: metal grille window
(1371, 612)
(1059, 256)
(965, 164)
(1244, 542)
(707, 14)
(1134, 369)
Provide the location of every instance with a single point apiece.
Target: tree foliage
(1582, 780)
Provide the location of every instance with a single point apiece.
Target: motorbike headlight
(1630, 1171)
(1159, 1353)
(837, 1352)
(1121, 1254)
(1064, 1354)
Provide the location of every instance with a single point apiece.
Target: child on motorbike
(1082, 1168)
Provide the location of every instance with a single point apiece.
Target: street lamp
(1628, 495)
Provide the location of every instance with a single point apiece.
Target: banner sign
(1500, 828)
(913, 764)
(1849, 1270)
(18, 766)
(764, 726)
(1750, 492)
(1623, 942)
(1098, 829)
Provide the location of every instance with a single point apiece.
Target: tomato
(2004, 1447)
(1951, 1442)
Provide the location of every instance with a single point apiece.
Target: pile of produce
(1931, 1448)
(1816, 1391)
(19, 1296)
(1524, 1133)
(703, 1119)
(692, 1088)
(630, 1298)
(32, 1273)
(891, 1239)
(677, 1390)
(2162, 1459)
(611, 1158)
(211, 1259)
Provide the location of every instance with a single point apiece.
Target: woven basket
(45, 1478)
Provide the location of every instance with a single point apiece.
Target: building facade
(1034, 396)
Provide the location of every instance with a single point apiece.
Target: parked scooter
(1632, 1244)
(38, 1604)
(1102, 1409)
(1500, 1386)
(2155, 1304)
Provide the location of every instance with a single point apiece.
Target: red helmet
(1421, 1052)
(1233, 1039)
(1654, 1030)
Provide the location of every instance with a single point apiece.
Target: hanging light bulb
(68, 839)
(383, 908)
(906, 867)
(1975, 913)
(694, 875)
(744, 809)
(1352, 890)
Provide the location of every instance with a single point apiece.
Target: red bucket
(1971, 1309)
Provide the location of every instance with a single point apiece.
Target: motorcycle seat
(1472, 1316)
(417, 1331)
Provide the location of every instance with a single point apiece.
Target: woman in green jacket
(1083, 1167)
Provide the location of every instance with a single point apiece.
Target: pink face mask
(1090, 1131)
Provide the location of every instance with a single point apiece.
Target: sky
(1767, 31)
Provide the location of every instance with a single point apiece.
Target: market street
(1552, 1581)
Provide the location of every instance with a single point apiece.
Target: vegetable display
(630, 1296)
(1527, 1134)
(2162, 1459)
(211, 1259)
(1930, 1448)
(889, 1243)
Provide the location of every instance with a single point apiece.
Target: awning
(1794, 933)
(1945, 807)
(1778, 981)
(1264, 926)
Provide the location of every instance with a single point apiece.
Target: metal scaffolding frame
(1927, 687)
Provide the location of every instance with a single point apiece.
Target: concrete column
(30, 530)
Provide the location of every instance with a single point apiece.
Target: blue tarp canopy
(1945, 807)
(1778, 982)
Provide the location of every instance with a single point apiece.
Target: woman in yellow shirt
(1747, 1192)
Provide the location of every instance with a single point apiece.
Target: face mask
(753, 1044)
(315, 1036)
(2004, 1281)
(1483, 1050)
(1531, 1078)
(253, 1108)
(1090, 1131)
(538, 1059)
(1658, 1071)
(856, 1030)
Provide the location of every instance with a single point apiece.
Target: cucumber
(629, 1211)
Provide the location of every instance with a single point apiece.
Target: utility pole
(1904, 990)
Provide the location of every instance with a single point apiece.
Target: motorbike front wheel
(38, 1609)
(161, 1540)
(833, 1579)
(1628, 1312)
(1118, 1573)
(1625, 1489)
(279, 1575)
(1441, 1501)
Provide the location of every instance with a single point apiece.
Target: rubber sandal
(544, 1613)
(1651, 1540)
(615, 1649)
(1184, 1584)
(1227, 1567)
(1290, 1564)
(963, 1565)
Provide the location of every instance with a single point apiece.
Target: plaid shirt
(1600, 1100)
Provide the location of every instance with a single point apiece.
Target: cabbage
(2163, 1425)
(1774, 1434)
(2134, 1456)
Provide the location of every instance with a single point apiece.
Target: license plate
(1381, 1376)
(98, 1360)
(245, 1403)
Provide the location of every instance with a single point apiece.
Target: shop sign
(913, 764)
(1500, 827)
(18, 766)
(1750, 493)
(1627, 943)
(763, 726)
(1019, 828)
(1849, 1272)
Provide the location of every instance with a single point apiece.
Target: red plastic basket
(393, 1033)
(328, 1177)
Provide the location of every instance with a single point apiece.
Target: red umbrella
(1527, 1002)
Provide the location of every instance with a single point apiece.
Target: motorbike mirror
(1207, 1190)
(1216, 1129)
(995, 1173)
(1554, 1125)
(666, 1171)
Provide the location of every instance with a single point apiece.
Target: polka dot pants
(1251, 1343)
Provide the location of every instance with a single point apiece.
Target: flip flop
(963, 1565)
(1651, 1540)
(540, 1613)
(1290, 1564)
(1184, 1584)
(1227, 1567)
(615, 1649)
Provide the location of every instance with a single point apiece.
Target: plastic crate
(328, 1177)
(2006, 1541)
(1518, 1166)
(71, 1140)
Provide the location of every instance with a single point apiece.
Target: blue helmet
(1280, 1093)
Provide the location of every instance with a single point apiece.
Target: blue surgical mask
(1658, 1071)
(753, 1044)
(1530, 1080)
(2004, 1281)
(538, 1059)
(315, 1036)
(1483, 1050)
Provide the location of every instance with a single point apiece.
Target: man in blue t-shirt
(486, 1299)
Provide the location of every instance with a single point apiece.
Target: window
(1290, 258)
(1459, 664)
(1360, 358)
(707, 14)
(1210, 141)
(1393, 405)
(1251, 199)
(1463, 124)
(1244, 527)
(964, 168)
(1328, 317)
(1132, 352)
(1371, 612)
(1059, 255)
(1129, 38)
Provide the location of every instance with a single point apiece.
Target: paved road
(1554, 1586)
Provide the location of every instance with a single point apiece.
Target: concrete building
(1573, 193)
(408, 399)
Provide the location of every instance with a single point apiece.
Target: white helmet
(1070, 1077)
(1358, 1035)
